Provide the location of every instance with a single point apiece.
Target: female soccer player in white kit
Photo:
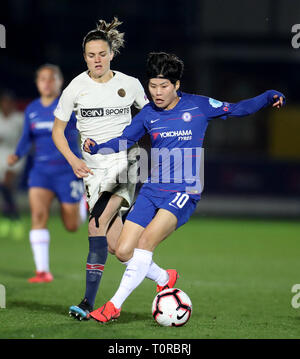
(102, 100)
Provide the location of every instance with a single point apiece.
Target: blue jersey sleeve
(25, 141)
(71, 134)
(131, 134)
(214, 108)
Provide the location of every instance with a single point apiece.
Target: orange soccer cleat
(173, 276)
(108, 312)
(41, 277)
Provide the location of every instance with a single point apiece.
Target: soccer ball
(171, 308)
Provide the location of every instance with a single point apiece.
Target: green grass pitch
(238, 274)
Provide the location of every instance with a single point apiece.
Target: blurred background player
(177, 122)
(50, 175)
(101, 98)
(11, 124)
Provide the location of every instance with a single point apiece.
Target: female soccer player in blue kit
(51, 175)
(176, 122)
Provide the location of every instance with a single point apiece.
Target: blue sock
(96, 259)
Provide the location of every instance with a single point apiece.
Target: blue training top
(37, 131)
(177, 137)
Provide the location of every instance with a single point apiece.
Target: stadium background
(232, 50)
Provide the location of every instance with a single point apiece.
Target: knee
(111, 250)
(123, 253)
(39, 217)
(71, 226)
(122, 256)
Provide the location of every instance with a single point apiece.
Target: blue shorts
(146, 207)
(66, 186)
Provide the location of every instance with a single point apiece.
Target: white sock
(82, 210)
(134, 274)
(159, 275)
(39, 240)
(155, 273)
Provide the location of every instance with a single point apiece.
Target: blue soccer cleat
(81, 311)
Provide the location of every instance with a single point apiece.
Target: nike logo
(181, 316)
(170, 204)
(152, 121)
(32, 115)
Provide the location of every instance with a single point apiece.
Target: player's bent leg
(128, 240)
(101, 216)
(70, 216)
(163, 224)
(40, 200)
(103, 213)
(134, 274)
(141, 215)
(114, 232)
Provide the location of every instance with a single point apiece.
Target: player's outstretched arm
(252, 105)
(246, 107)
(117, 144)
(131, 134)
(58, 135)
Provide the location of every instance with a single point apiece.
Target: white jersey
(102, 110)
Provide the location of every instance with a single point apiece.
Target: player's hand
(90, 146)
(278, 101)
(80, 168)
(12, 159)
(276, 98)
(88, 143)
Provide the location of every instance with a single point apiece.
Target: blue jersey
(37, 131)
(177, 138)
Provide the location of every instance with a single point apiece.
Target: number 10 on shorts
(180, 199)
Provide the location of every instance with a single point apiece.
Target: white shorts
(112, 178)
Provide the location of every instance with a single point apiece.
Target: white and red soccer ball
(171, 308)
